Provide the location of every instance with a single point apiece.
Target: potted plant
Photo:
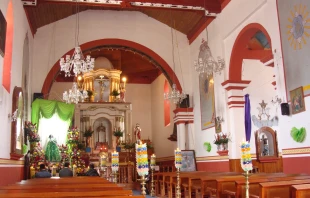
(114, 93)
(88, 133)
(225, 140)
(118, 133)
(218, 141)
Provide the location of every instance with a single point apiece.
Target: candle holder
(178, 189)
(114, 173)
(152, 183)
(142, 181)
(246, 174)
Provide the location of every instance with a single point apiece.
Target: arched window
(7, 62)
(166, 105)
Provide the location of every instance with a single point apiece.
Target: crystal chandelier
(77, 60)
(74, 95)
(206, 63)
(175, 96)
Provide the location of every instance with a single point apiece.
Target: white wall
(160, 132)
(20, 29)
(54, 40)
(222, 33)
(140, 97)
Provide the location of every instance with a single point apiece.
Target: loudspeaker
(285, 109)
(185, 102)
(37, 95)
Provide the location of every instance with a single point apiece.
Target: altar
(104, 118)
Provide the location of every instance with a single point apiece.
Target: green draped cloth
(52, 153)
(47, 108)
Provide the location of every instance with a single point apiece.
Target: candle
(246, 159)
(153, 161)
(115, 161)
(141, 157)
(178, 158)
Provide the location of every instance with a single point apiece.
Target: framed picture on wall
(2, 34)
(188, 160)
(297, 100)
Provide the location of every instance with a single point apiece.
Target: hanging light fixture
(175, 95)
(206, 64)
(77, 60)
(74, 95)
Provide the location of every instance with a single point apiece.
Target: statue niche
(101, 133)
(266, 145)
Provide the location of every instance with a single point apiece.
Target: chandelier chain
(175, 95)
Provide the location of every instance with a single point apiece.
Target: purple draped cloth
(247, 118)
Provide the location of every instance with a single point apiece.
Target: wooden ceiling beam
(33, 31)
(212, 6)
(199, 27)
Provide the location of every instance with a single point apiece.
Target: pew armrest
(228, 192)
(254, 196)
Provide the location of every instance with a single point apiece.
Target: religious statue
(122, 94)
(137, 131)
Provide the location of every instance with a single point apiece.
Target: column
(181, 136)
(191, 135)
(183, 117)
(235, 98)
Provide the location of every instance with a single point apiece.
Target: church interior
(169, 98)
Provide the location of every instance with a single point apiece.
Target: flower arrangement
(32, 132)
(118, 132)
(64, 157)
(73, 136)
(88, 133)
(221, 139)
(76, 161)
(37, 156)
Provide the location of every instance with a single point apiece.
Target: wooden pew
(184, 180)
(215, 186)
(68, 194)
(279, 189)
(44, 181)
(56, 186)
(239, 190)
(301, 191)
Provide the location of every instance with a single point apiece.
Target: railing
(126, 173)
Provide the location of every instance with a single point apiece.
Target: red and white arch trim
(183, 116)
(235, 92)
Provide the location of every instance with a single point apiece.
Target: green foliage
(129, 145)
(114, 93)
(207, 146)
(88, 133)
(25, 148)
(298, 135)
(89, 93)
(118, 133)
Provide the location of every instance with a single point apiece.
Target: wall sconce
(277, 100)
(263, 111)
(13, 117)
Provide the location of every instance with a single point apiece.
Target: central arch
(166, 69)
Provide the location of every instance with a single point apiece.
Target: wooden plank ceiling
(189, 22)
